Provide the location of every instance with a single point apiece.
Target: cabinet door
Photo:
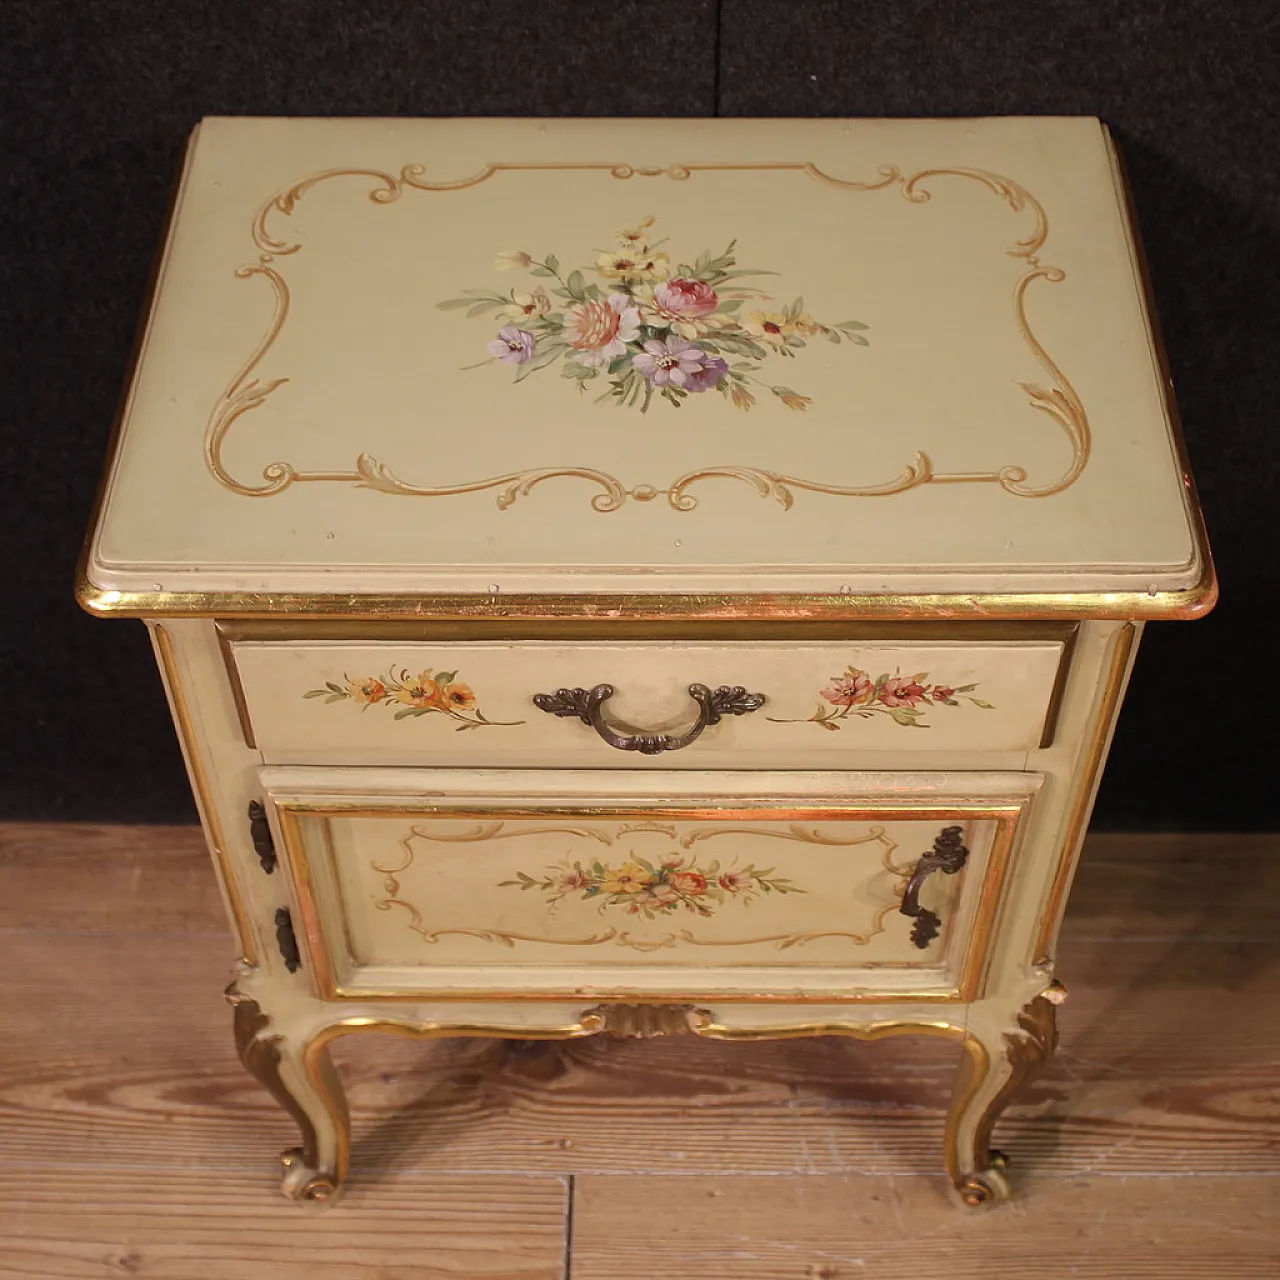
(745, 886)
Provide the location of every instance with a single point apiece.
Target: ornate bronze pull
(948, 855)
(586, 705)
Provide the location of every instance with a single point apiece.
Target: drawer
(450, 702)
(421, 884)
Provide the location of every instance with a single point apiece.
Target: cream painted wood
(311, 438)
(302, 398)
(403, 896)
(1004, 691)
(295, 1020)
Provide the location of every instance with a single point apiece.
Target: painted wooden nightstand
(635, 577)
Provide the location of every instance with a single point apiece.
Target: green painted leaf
(552, 261)
(986, 706)
(317, 693)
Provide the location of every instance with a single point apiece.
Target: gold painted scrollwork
(1055, 397)
(479, 833)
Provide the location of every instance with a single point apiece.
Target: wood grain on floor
(134, 1144)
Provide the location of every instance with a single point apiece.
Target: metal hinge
(264, 844)
(287, 940)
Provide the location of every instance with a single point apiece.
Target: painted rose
(419, 691)
(599, 331)
(457, 697)
(733, 881)
(628, 878)
(673, 860)
(366, 691)
(671, 362)
(849, 690)
(901, 691)
(689, 882)
(942, 693)
(513, 345)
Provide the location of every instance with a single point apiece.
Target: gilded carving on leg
(1028, 1050)
(259, 1051)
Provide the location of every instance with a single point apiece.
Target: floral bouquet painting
(649, 327)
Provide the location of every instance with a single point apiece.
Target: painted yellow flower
(741, 397)
(367, 690)
(628, 878)
(771, 326)
(512, 260)
(636, 239)
(805, 325)
(419, 691)
(627, 264)
(793, 399)
(526, 306)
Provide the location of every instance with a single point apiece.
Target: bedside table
(633, 577)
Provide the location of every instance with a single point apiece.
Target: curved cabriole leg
(996, 1066)
(299, 1075)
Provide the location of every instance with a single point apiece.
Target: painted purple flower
(709, 376)
(672, 362)
(513, 345)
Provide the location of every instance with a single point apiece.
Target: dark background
(98, 99)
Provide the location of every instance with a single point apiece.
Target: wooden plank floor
(132, 1144)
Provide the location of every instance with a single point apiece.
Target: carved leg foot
(998, 1062)
(301, 1078)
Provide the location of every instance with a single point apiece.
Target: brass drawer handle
(587, 705)
(948, 855)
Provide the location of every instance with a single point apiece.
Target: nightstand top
(696, 367)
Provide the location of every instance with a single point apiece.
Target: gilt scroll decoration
(1055, 396)
(394, 897)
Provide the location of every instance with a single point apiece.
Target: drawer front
(422, 884)
(449, 703)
